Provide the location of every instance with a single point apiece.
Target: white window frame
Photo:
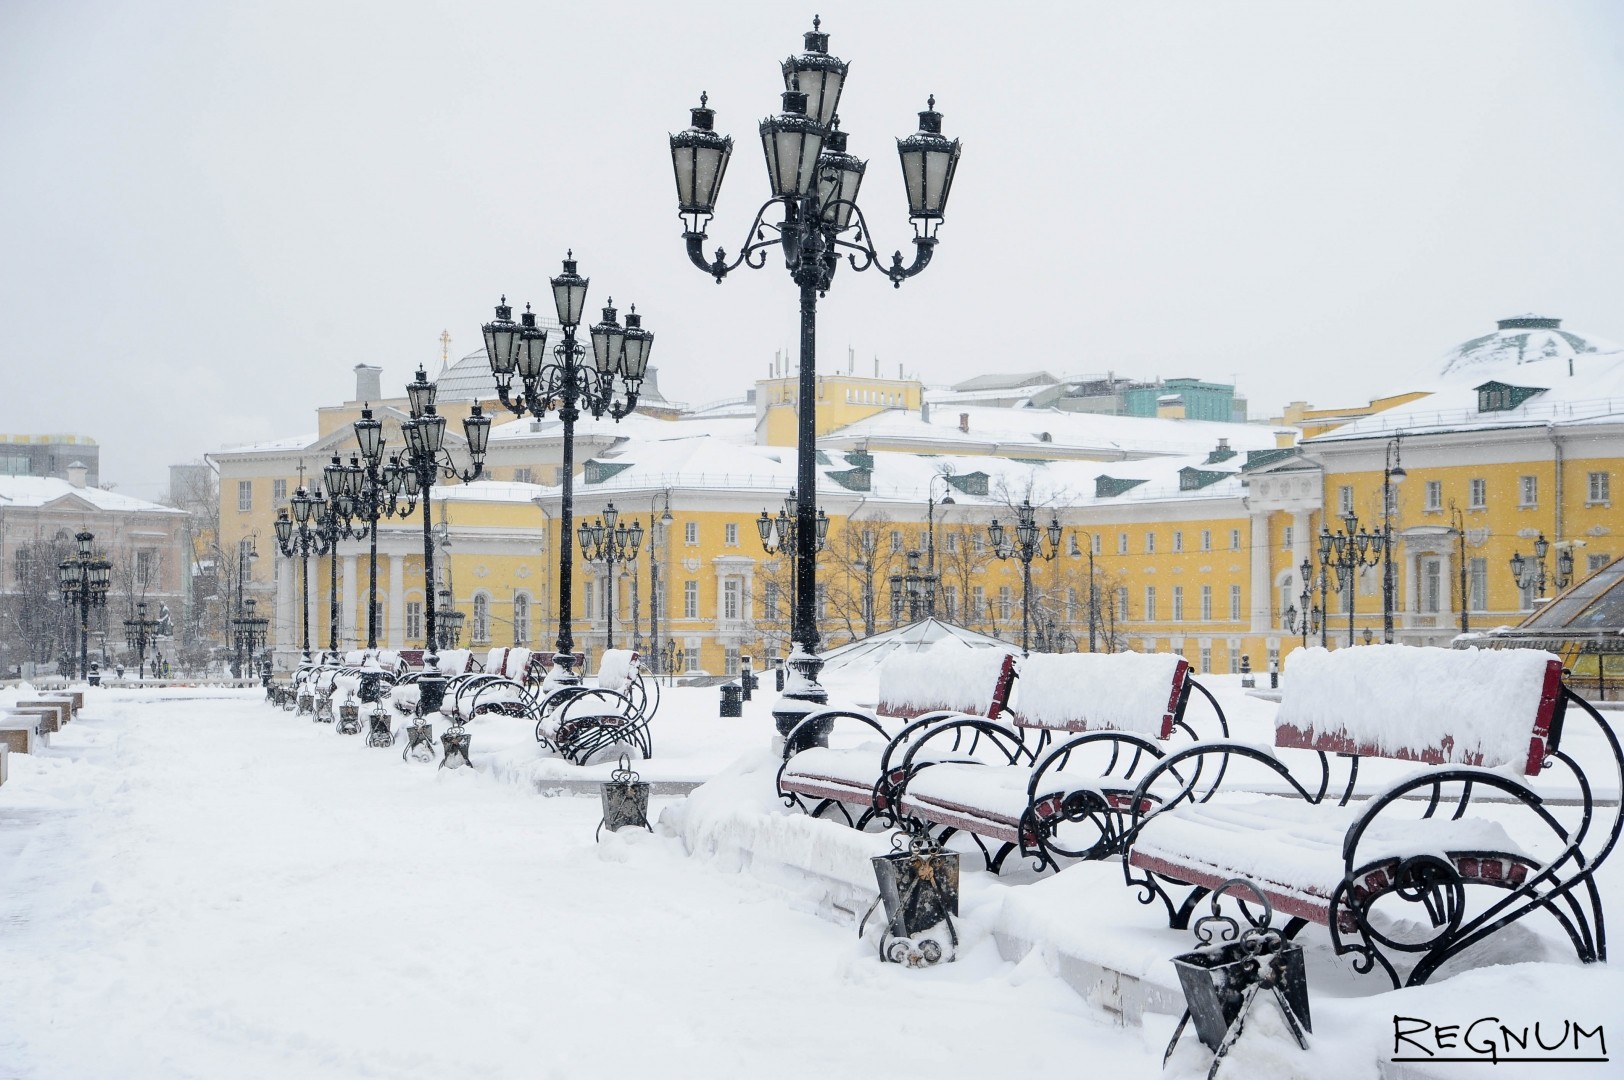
(245, 496)
(1600, 489)
(1527, 492)
(1477, 494)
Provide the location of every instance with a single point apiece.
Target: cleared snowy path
(207, 887)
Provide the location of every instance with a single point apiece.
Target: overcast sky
(211, 210)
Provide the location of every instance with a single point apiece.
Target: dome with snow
(1524, 339)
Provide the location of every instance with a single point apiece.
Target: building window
(1076, 545)
(1234, 539)
(730, 534)
(1178, 603)
(1234, 603)
(1344, 500)
(1150, 603)
(23, 565)
(1206, 539)
(1288, 533)
(1122, 543)
(1071, 605)
(1596, 562)
(1477, 494)
(522, 474)
(1206, 603)
(821, 596)
(690, 658)
(589, 591)
(1601, 486)
(1477, 584)
(950, 598)
(1122, 602)
(245, 496)
(1094, 543)
(414, 619)
(1006, 601)
(1435, 495)
(769, 601)
(1178, 540)
(1206, 659)
(521, 620)
(690, 599)
(978, 602)
(730, 660)
(1527, 492)
(1150, 543)
(279, 492)
(690, 532)
(146, 568)
(896, 541)
(730, 598)
(952, 543)
(482, 618)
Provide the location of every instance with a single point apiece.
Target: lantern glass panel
(569, 294)
(476, 428)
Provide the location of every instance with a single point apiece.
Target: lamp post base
(430, 692)
(802, 695)
(564, 673)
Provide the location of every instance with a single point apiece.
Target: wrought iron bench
(584, 723)
(915, 695)
(1421, 868)
(1055, 778)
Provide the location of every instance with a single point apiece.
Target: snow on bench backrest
(1141, 692)
(616, 669)
(1488, 707)
(457, 661)
(947, 676)
(508, 663)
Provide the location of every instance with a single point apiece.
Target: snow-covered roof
(718, 463)
(39, 491)
(1522, 339)
(290, 442)
(861, 659)
(1570, 387)
(740, 429)
(1047, 431)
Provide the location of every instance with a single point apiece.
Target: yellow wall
(842, 400)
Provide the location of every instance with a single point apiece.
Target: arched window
(521, 620)
(482, 618)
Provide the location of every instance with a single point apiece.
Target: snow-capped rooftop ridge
(40, 491)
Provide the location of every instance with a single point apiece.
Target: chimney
(924, 409)
(964, 422)
(77, 473)
(368, 383)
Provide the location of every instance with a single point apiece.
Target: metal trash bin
(732, 700)
(1222, 979)
(625, 800)
(919, 886)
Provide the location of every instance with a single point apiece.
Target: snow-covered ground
(195, 884)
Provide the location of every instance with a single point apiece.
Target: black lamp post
(916, 589)
(813, 184)
(656, 532)
(378, 491)
(1347, 552)
(1530, 572)
(450, 620)
(84, 578)
(779, 534)
(251, 634)
(1027, 546)
(668, 660)
(930, 533)
(565, 383)
(608, 540)
(1392, 473)
(137, 633)
(1093, 595)
(1306, 619)
(427, 457)
(299, 535)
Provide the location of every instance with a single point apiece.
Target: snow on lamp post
(813, 184)
(1026, 546)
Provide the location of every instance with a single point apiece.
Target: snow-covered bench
(1420, 867)
(917, 690)
(587, 723)
(1055, 778)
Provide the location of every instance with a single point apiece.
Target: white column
(286, 635)
(1299, 540)
(397, 601)
(357, 628)
(313, 596)
(1262, 586)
